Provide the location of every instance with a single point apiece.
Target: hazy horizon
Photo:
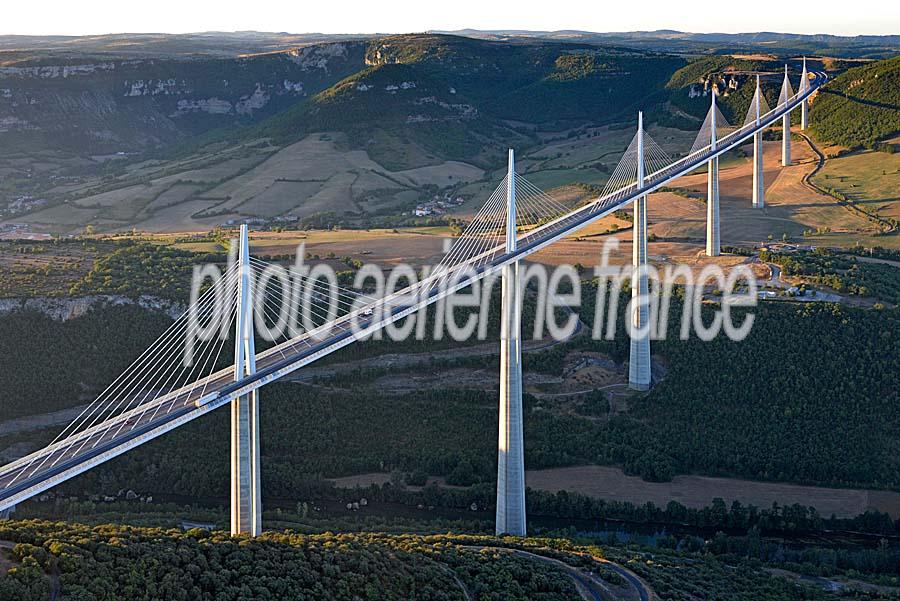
(105, 17)
(508, 30)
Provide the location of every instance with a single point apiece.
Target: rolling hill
(464, 99)
(353, 133)
(349, 128)
(735, 78)
(667, 40)
(859, 107)
(95, 105)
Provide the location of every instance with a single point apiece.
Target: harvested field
(418, 246)
(868, 177)
(791, 207)
(314, 175)
(698, 491)
(178, 218)
(679, 223)
(612, 484)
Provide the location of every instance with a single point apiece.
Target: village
(438, 205)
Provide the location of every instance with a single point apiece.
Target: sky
(66, 17)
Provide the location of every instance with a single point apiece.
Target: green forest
(860, 106)
(52, 365)
(732, 103)
(455, 96)
(809, 397)
(123, 564)
(136, 268)
(843, 272)
(115, 563)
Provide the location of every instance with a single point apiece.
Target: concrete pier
(639, 358)
(510, 518)
(712, 191)
(786, 140)
(246, 506)
(786, 124)
(804, 106)
(759, 191)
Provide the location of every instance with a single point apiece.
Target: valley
(765, 468)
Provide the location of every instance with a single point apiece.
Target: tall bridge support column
(246, 506)
(759, 190)
(804, 106)
(786, 124)
(713, 246)
(6, 513)
(639, 358)
(786, 140)
(712, 191)
(510, 445)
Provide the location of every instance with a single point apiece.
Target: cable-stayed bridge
(172, 382)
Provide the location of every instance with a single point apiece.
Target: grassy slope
(868, 177)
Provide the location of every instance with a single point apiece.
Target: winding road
(807, 181)
(590, 586)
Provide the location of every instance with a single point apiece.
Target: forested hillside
(90, 105)
(699, 68)
(69, 377)
(808, 397)
(468, 99)
(124, 564)
(735, 79)
(859, 107)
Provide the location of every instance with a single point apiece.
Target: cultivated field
(791, 206)
(611, 484)
(679, 223)
(698, 491)
(315, 175)
(318, 174)
(869, 177)
(416, 246)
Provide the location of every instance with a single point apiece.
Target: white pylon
(786, 124)
(510, 517)
(759, 192)
(639, 358)
(712, 189)
(804, 106)
(246, 505)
